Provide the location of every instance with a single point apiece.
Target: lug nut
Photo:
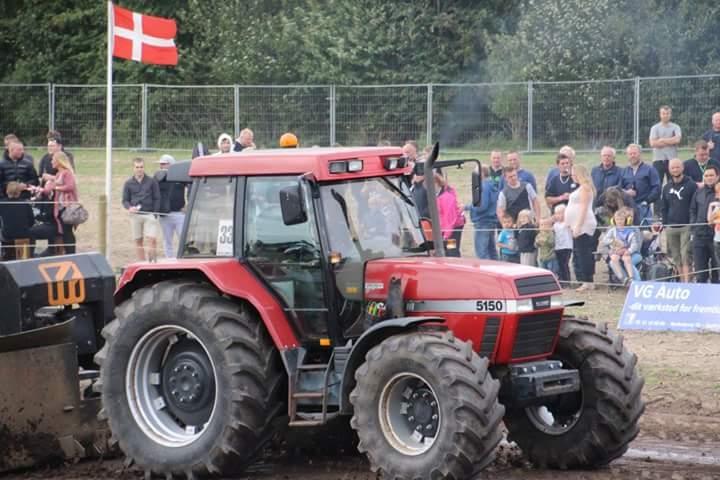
(428, 427)
(435, 417)
(411, 418)
(433, 403)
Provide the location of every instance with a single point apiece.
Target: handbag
(74, 214)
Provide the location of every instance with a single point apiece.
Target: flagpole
(108, 133)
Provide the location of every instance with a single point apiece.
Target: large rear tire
(190, 380)
(591, 428)
(425, 407)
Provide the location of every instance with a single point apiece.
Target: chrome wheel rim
(171, 386)
(409, 413)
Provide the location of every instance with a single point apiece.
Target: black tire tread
(618, 409)
(466, 379)
(248, 352)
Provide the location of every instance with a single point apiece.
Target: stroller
(656, 265)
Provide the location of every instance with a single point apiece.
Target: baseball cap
(166, 159)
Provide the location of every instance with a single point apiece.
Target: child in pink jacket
(452, 218)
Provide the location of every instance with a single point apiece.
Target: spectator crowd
(619, 214)
(658, 220)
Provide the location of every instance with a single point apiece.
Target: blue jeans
(485, 243)
(645, 213)
(171, 224)
(551, 265)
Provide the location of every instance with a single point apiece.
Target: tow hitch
(531, 383)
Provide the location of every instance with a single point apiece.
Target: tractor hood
(447, 278)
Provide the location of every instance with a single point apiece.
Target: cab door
(287, 257)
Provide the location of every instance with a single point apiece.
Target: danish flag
(143, 38)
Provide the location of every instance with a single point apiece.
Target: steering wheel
(301, 250)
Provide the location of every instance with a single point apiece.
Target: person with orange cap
(289, 140)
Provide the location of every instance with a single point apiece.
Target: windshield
(371, 218)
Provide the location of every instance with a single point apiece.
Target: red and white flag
(143, 38)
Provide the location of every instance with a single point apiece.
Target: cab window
(210, 228)
(288, 257)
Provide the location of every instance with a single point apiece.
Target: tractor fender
(228, 276)
(370, 338)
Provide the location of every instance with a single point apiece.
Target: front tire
(425, 407)
(190, 380)
(590, 428)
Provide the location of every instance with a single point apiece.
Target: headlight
(355, 166)
(520, 306)
(556, 301)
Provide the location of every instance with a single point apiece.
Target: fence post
(51, 106)
(144, 118)
(333, 106)
(530, 116)
(102, 222)
(236, 110)
(636, 112)
(429, 119)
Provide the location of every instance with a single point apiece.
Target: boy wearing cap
(172, 206)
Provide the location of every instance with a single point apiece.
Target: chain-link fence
(531, 116)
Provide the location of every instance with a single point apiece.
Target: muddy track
(648, 458)
(670, 446)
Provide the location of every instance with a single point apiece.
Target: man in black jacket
(172, 206)
(695, 167)
(702, 242)
(677, 194)
(54, 144)
(16, 166)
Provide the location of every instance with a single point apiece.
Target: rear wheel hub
(188, 383)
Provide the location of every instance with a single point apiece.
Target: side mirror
(476, 189)
(292, 205)
(426, 226)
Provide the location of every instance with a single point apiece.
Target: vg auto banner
(683, 307)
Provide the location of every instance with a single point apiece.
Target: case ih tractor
(305, 290)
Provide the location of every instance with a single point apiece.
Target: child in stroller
(621, 247)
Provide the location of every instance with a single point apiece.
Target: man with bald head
(675, 202)
(513, 161)
(495, 172)
(640, 181)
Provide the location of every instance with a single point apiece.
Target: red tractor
(305, 290)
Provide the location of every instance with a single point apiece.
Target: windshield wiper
(397, 189)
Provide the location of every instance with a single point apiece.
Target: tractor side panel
(227, 275)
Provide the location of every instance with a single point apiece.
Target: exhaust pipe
(429, 181)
